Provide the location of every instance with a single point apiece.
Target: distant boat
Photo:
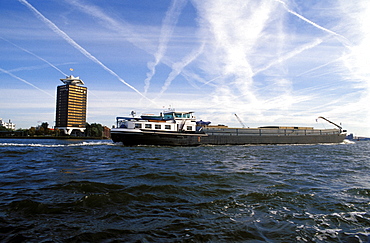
(173, 128)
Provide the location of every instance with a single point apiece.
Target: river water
(97, 191)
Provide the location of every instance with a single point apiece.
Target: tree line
(94, 130)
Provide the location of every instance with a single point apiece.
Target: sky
(271, 62)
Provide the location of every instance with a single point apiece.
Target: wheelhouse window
(168, 116)
(148, 126)
(167, 127)
(182, 115)
(157, 126)
(137, 125)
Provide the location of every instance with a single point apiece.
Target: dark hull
(179, 139)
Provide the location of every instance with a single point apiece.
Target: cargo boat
(173, 128)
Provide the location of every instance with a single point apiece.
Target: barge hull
(187, 140)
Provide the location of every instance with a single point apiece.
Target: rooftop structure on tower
(71, 105)
(72, 80)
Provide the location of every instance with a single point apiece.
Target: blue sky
(272, 62)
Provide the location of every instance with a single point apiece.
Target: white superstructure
(172, 121)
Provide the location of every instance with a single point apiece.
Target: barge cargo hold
(181, 129)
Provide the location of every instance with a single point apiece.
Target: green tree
(45, 127)
(40, 131)
(94, 130)
(32, 131)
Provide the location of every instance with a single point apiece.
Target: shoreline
(52, 137)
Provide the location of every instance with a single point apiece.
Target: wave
(92, 143)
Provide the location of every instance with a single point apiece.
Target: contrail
(179, 66)
(24, 81)
(212, 80)
(37, 67)
(77, 46)
(121, 27)
(168, 26)
(33, 54)
(346, 41)
(290, 55)
(192, 77)
(321, 66)
(128, 33)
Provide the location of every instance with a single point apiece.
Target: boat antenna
(240, 121)
(321, 117)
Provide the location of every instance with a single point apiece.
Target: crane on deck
(240, 121)
(340, 128)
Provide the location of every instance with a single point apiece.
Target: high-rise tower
(71, 105)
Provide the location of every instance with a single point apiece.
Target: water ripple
(94, 191)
